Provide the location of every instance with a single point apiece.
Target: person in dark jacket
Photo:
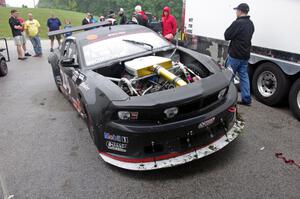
(169, 24)
(240, 35)
(123, 17)
(140, 16)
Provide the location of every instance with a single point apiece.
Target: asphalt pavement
(46, 151)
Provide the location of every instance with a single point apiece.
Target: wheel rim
(298, 99)
(267, 84)
(4, 67)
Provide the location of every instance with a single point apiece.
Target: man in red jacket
(169, 24)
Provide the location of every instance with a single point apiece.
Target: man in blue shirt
(53, 24)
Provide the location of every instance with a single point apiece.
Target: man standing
(32, 29)
(53, 24)
(169, 24)
(16, 29)
(87, 19)
(123, 17)
(240, 35)
(22, 21)
(140, 16)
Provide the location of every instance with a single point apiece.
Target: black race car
(147, 103)
(3, 59)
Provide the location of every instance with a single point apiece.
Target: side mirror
(69, 62)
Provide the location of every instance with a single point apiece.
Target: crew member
(240, 35)
(169, 24)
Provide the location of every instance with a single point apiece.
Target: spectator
(123, 19)
(22, 21)
(68, 26)
(93, 19)
(54, 24)
(140, 16)
(101, 18)
(112, 18)
(87, 19)
(16, 29)
(240, 35)
(32, 29)
(169, 25)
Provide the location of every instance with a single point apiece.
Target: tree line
(102, 7)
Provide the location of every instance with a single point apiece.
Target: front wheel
(294, 99)
(3, 68)
(270, 85)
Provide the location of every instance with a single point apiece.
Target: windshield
(116, 48)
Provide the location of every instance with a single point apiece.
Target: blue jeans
(241, 67)
(36, 43)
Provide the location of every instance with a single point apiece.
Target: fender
(289, 68)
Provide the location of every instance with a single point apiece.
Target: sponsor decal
(115, 146)
(206, 123)
(116, 138)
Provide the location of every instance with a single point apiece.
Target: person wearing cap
(140, 16)
(16, 29)
(123, 17)
(240, 35)
(169, 24)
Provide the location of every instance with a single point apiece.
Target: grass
(41, 14)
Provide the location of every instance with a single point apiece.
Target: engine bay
(150, 74)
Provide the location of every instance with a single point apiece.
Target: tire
(3, 68)
(55, 76)
(270, 85)
(294, 99)
(89, 122)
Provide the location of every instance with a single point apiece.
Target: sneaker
(51, 50)
(27, 55)
(22, 58)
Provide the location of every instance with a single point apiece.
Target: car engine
(153, 74)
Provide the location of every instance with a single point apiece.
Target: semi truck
(274, 66)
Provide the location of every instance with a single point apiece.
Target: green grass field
(41, 14)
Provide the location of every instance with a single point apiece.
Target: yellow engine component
(161, 71)
(143, 66)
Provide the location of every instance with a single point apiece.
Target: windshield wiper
(139, 43)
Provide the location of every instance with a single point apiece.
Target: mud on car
(147, 103)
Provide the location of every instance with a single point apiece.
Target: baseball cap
(243, 7)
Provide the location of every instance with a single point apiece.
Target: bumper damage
(179, 158)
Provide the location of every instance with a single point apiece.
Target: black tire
(3, 68)
(270, 92)
(56, 75)
(294, 99)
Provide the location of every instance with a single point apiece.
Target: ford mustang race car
(148, 104)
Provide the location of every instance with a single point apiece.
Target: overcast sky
(19, 3)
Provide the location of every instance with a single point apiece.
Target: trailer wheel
(294, 99)
(270, 85)
(3, 68)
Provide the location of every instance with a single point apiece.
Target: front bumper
(176, 159)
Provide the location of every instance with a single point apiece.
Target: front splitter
(231, 135)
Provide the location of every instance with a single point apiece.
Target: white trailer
(274, 66)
